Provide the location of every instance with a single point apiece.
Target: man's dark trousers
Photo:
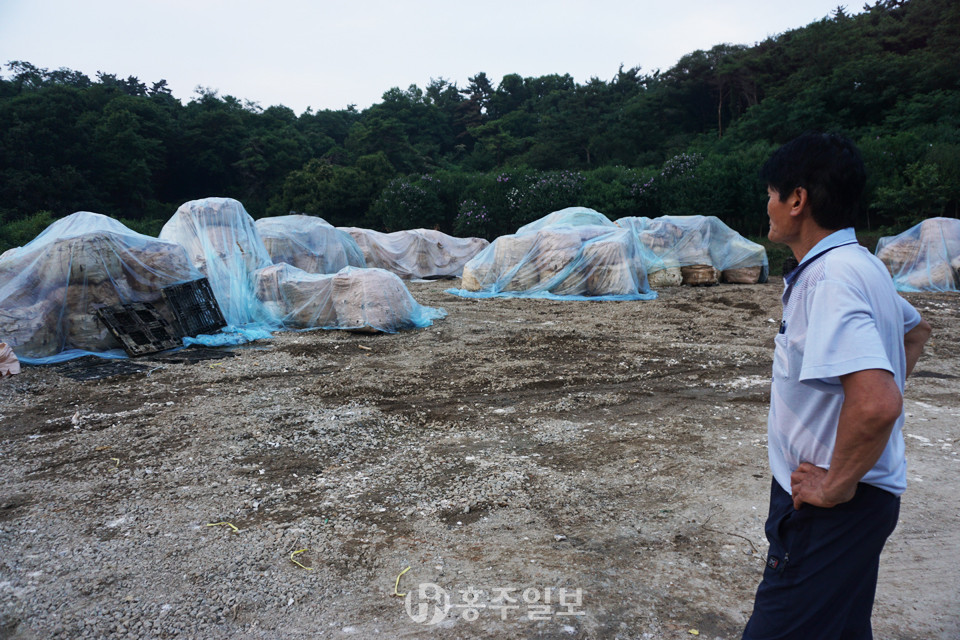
(821, 572)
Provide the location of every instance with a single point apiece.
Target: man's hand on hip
(807, 486)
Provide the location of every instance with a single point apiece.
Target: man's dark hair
(829, 167)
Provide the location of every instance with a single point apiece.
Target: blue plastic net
(52, 287)
(353, 298)
(573, 254)
(925, 257)
(681, 241)
(221, 239)
(231, 336)
(224, 242)
(571, 217)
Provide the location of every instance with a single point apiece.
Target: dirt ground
(545, 469)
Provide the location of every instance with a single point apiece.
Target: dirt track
(516, 446)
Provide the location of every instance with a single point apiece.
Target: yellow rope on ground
(397, 584)
(297, 563)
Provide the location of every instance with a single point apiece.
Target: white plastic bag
(9, 365)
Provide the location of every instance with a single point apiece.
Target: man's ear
(799, 198)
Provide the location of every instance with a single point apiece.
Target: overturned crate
(194, 308)
(139, 328)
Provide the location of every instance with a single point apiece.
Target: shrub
(17, 233)
(409, 202)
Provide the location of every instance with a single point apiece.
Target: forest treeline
(484, 158)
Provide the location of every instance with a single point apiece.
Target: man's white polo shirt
(841, 314)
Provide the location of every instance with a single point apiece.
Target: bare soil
(602, 464)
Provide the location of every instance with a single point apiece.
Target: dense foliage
(483, 159)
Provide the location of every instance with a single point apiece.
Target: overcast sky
(326, 55)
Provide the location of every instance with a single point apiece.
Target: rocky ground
(545, 469)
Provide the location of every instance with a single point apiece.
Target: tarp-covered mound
(575, 253)
(570, 217)
(417, 253)
(698, 250)
(51, 288)
(309, 243)
(221, 240)
(925, 257)
(353, 298)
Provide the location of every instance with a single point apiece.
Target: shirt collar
(835, 239)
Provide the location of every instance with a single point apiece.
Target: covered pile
(309, 243)
(51, 288)
(417, 253)
(353, 298)
(575, 253)
(925, 257)
(221, 240)
(698, 250)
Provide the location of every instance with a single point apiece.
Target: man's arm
(871, 406)
(913, 342)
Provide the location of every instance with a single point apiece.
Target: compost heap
(222, 240)
(417, 253)
(698, 250)
(52, 287)
(575, 253)
(367, 300)
(925, 257)
(309, 243)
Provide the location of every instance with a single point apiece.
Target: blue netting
(353, 298)
(52, 287)
(573, 254)
(571, 217)
(309, 243)
(224, 242)
(231, 336)
(221, 239)
(925, 257)
(681, 241)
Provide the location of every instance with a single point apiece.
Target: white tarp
(417, 253)
(309, 243)
(52, 287)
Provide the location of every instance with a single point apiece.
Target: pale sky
(326, 55)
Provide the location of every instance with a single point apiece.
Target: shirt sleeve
(842, 337)
(911, 317)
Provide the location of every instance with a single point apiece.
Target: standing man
(846, 345)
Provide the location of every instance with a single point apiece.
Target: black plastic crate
(139, 328)
(194, 308)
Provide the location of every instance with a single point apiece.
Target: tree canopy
(686, 140)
